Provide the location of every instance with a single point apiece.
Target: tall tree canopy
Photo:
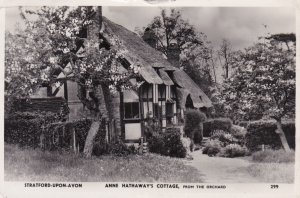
(182, 44)
(264, 83)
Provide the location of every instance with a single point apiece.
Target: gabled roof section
(189, 87)
(165, 77)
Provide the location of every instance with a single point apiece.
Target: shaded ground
(35, 165)
(222, 170)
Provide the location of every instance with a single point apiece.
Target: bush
(211, 125)
(263, 132)
(168, 144)
(238, 131)
(193, 127)
(224, 137)
(277, 156)
(212, 147)
(233, 150)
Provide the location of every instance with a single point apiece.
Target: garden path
(221, 170)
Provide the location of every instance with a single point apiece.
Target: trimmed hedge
(211, 125)
(193, 127)
(44, 129)
(263, 132)
(25, 128)
(167, 143)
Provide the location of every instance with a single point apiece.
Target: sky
(240, 25)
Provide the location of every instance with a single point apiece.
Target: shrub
(263, 132)
(224, 137)
(120, 149)
(211, 125)
(277, 156)
(193, 127)
(117, 148)
(233, 150)
(212, 147)
(238, 131)
(151, 128)
(168, 144)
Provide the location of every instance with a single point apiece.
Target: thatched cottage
(166, 91)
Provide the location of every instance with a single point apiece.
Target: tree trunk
(89, 142)
(281, 134)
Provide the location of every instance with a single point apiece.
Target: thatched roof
(165, 77)
(149, 58)
(189, 87)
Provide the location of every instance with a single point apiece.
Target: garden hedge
(211, 125)
(193, 127)
(263, 132)
(25, 128)
(44, 130)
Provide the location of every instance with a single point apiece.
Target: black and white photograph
(147, 95)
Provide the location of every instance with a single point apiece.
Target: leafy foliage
(168, 143)
(212, 147)
(116, 148)
(233, 150)
(193, 121)
(183, 45)
(264, 82)
(263, 132)
(47, 44)
(26, 128)
(210, 125)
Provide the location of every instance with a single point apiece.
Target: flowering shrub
(212, 147)
(224, 144)
(224, 137)
(233, 150)
(211, 125)
(238, 131)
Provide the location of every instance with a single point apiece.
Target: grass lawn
(272, 172)
(273, 166)
(36, 165)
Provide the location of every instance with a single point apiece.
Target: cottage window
(161, 91)
(131, 110)
(169, 110)
(173, 92)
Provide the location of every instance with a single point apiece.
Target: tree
(51, 41)
(225, 56)
(196, 61)
(264, 83)
(184, 47)
(173, 29)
